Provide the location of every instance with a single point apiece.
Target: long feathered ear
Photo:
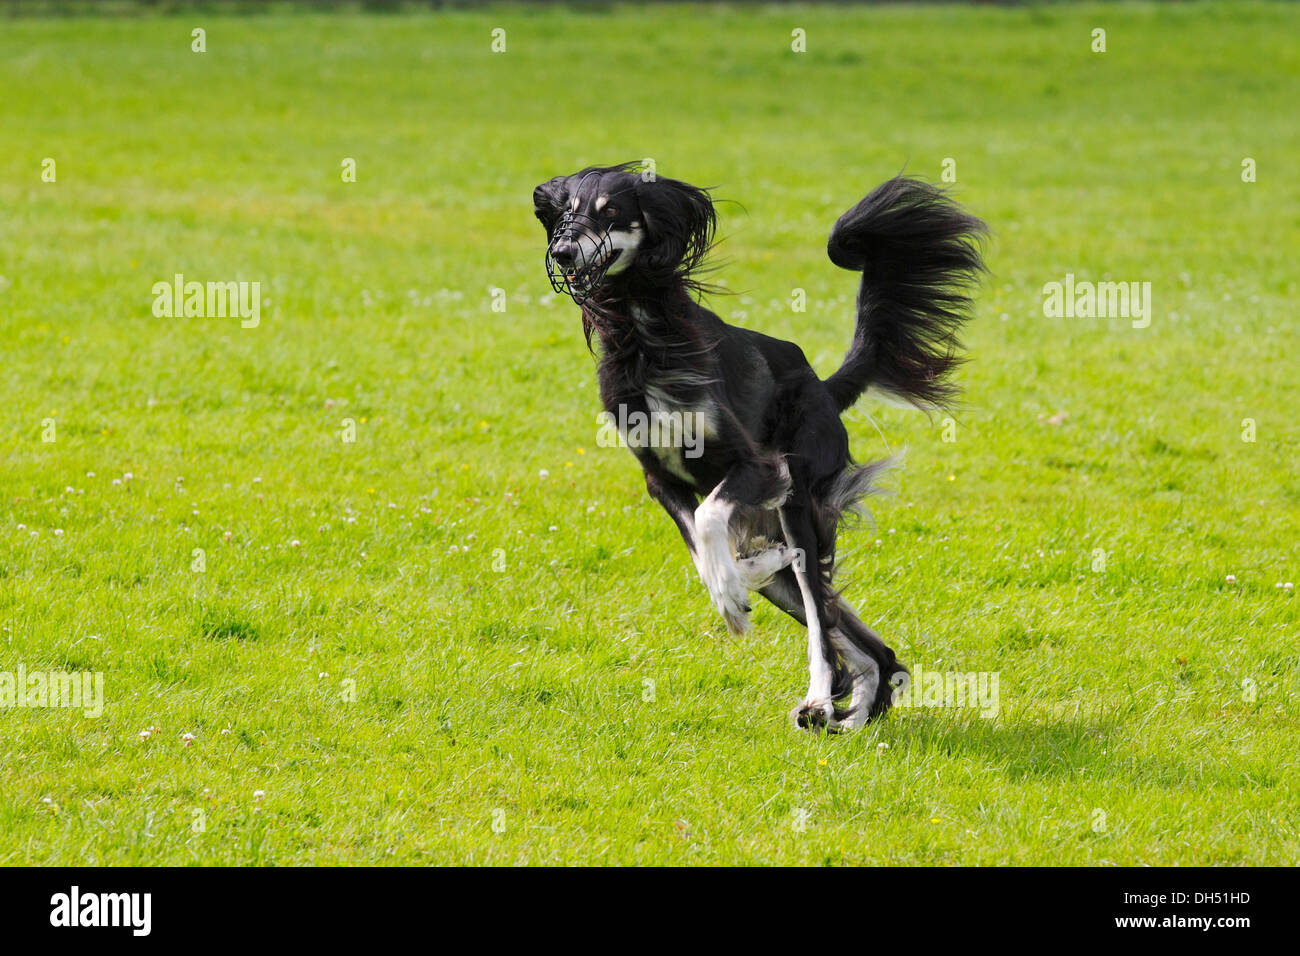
(548, 202)
(679, 222)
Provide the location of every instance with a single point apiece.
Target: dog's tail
(919, 255)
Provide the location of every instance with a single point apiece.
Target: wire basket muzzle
(579, 255)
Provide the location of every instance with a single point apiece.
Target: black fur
(915, 251)
(777, 453)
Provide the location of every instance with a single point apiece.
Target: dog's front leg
(707, 532)
(759, 483)
(716, 559)
(679, 500)
(817, 709)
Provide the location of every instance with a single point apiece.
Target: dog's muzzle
(579, 255)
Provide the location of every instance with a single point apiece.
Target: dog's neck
(623, 320)
(649, 343)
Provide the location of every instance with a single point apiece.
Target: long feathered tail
(920, 255)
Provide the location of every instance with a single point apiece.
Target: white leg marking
(757, 570)
(819, 669)
(864, 684)
(868, 679)
(717, 562)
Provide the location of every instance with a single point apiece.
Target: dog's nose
(564, 252)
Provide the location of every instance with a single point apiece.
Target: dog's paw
(729, 595)
(732, 602)
(814, 715)
(844, 719)
(757, 570)
(737, 619)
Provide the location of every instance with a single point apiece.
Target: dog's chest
(677, 431)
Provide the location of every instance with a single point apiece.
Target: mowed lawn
(467, 636)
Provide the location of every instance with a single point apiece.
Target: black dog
(773, 464)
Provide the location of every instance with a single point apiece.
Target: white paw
(757, 570)
(728, 593)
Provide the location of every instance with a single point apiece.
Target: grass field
(468, 636)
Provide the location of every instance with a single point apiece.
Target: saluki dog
(760, 497)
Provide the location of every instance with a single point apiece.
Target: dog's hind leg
(876, 671)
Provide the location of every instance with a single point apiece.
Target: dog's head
(611, 224)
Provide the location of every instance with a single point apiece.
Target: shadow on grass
(1091, 749)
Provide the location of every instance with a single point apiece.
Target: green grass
(456, 640)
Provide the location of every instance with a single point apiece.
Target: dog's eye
(610, 212)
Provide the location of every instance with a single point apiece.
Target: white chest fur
(677, 432)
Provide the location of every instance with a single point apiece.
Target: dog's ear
(548, 202)
(679, 223)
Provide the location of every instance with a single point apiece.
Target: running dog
(761, 499)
